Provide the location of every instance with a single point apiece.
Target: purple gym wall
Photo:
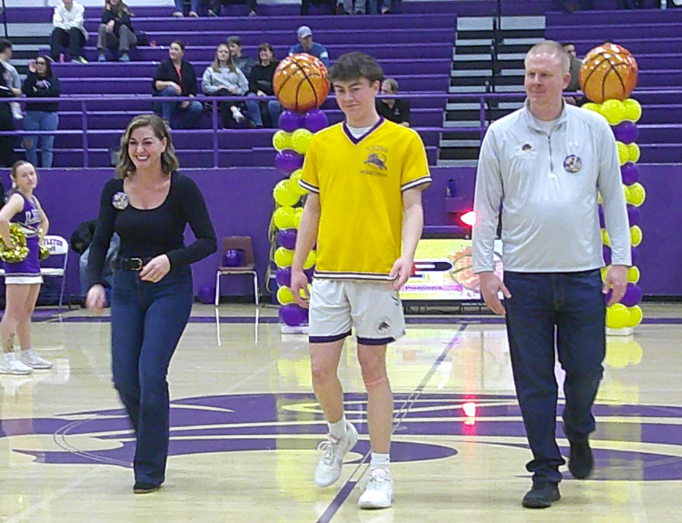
(240, 203)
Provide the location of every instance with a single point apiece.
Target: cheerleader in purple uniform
(23, 279)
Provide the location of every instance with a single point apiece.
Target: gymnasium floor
(245, 427)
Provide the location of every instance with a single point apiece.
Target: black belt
(130, 264)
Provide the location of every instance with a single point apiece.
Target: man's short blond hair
(555, 48)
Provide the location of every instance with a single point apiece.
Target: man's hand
(490, 286)
(401, 271)
(299, 282)
(616, 282)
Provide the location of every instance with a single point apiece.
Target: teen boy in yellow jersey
(364, 210)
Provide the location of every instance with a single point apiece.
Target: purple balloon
(633, 295)
(309, 273)
(626, 132)
(283, 277)
(287, 238)
(206, 294)
(634, 253)
(293, 315)
(315, 120)
(288, 161)
(289, 121)
(633, 215)
(606, 252)
(602, 223)
(629, 173)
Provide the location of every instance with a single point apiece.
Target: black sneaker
(142, 487)
(580, 460)
(542, 495)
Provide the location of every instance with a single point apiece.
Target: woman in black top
(260, 84)
(7, 156)
(116, 30)
(176, 77)
(41, 116)
(149, 205)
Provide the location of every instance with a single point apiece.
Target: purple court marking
(345, 491)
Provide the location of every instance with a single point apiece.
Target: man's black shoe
(542, 495)
(141, 487)
(580, 460)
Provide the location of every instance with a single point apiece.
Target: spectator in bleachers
(305, 5)
(41, 116)
(393, 109)
(224, 78)
(574, 84)
(7, 156)
(180, 8)
(261, 84)
(11, 76)
(176, 77)
(245, 63)
(116, 30)
(306, 45)
(68, 31)
(214, 6)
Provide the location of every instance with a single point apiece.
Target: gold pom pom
(20, 250)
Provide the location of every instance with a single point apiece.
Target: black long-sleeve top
(38, 87)
(122, 19)
(146, 233)
(166, 72)
(261, 77)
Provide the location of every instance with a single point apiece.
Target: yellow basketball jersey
(360, 182)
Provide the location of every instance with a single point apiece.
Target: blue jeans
(566, 310)
(179, 5)
(188, 117)
(147, 320)
(40, 121)
(254, 107)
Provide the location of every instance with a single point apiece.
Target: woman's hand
(156, 269)
(96, 299)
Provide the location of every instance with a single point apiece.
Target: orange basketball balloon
(300, 82)
(608, 72)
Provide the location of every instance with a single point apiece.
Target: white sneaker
(238, 116)
(379, 490)
(328, 470)
(32, 360)
(9, 364)
(16, 111)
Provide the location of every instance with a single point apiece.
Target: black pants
(7, 143)
(215, 5)
(226, 108)
(305, 5)
(74, 39)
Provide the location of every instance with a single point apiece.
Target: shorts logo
(383, 325)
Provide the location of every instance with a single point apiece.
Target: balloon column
(301, 86)
(608, 76)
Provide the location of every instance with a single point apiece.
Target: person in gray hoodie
(224, 78)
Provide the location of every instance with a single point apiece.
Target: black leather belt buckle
(134, 264)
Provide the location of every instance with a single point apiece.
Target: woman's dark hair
(267, 46)
(169, 162)
(48, 65)
(179, 43)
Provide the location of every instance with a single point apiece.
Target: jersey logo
(376, 160)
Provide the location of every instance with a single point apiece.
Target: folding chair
(248, 267)
(58, 246)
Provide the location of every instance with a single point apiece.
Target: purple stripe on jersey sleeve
(309, 187)
(416, 183)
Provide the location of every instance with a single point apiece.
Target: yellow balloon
(284, 295)
(617, 316)
(300, 140)
(283, 194)
(635, 316)
(614, 111)
(590, 106)
(633, 275)
(635, 194)
(633, 152)
(623, 153)
(310, 260)
(633, 111)
(599, 200)
(635, 235)
(281, 140)
(284, 217)
(284, 257)
(298, 213)
(605, 237)
(295, 186)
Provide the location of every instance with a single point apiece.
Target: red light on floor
(469, 409)
(468, 218)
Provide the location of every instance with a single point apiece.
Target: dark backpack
(82, 236)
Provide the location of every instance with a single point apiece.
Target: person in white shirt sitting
(68, 31)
